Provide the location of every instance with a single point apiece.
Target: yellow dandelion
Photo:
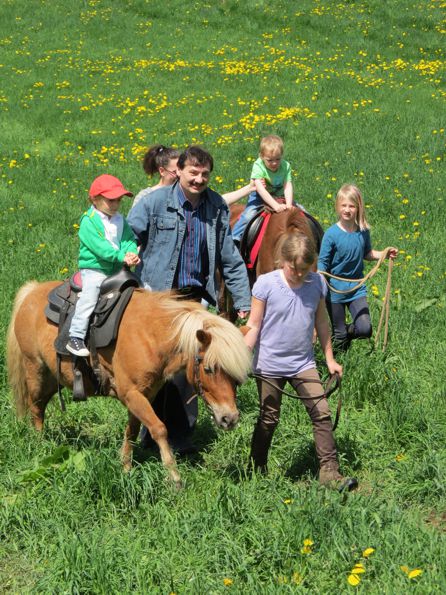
(405, 569)
(227, 582)
(358, 569)
(414, 573)
(402, 216)
(353, 580)
(368, 552)
(297, 578)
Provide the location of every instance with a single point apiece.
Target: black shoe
(77, 347)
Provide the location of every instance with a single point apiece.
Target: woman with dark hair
(159, 160)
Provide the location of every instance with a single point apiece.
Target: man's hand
(242, 314)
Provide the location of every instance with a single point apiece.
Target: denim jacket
(159, 225)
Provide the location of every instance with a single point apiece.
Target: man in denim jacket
(185, 238)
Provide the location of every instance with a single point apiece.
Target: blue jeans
(255, 201)
(88, 297)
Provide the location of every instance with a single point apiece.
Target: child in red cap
(106, 243)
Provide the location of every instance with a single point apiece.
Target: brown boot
(330, 477)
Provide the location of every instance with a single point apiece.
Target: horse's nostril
(229, 421)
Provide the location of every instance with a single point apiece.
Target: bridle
(198, 359)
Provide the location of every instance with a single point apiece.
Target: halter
(198, 359)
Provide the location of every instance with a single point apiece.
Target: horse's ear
(204, 338)
(244, 329)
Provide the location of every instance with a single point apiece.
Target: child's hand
(278, 208)
(334, 367)
(392, 253)
(131, 259)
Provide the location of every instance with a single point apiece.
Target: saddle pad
(258, 241)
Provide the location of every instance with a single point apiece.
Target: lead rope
(332, 384)
(385, 310)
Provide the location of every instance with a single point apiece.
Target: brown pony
(159, 335)
(279, 224)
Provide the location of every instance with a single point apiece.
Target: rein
(385, 310)
(333, 383)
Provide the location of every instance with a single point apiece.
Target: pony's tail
(14, 355)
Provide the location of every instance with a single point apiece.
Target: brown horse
(159, 335)
(293, 219)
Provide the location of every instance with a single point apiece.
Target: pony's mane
(227, 348)
(296, 221)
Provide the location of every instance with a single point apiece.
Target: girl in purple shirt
(287, 305)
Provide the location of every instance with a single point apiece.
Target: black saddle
(254, 226)
(250, 234)
(114, 296)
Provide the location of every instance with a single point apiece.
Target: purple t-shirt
(285, 342)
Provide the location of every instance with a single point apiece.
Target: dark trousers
(318, 410)
(172, 403)
(361, 326)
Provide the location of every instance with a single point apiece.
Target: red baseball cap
(108, 186)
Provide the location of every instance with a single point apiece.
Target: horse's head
(213, 384)
(216, 359)
(216, 369)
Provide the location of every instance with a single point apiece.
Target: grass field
(356, 89)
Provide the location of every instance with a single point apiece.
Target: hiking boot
(77, 347)
(330, 477)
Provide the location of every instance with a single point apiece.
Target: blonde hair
(294, 247)
(272, 143)
(353, 194)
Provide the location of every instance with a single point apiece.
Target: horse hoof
(127, 467)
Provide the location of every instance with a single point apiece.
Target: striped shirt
(193, 262)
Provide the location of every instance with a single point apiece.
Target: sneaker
(77, 346)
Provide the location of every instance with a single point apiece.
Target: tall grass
(356, 89)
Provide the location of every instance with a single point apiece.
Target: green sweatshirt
(96, 252)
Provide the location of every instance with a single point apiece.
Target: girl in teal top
(345, 246)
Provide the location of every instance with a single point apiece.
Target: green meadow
(356, 90)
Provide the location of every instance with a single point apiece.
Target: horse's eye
(208, 370)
